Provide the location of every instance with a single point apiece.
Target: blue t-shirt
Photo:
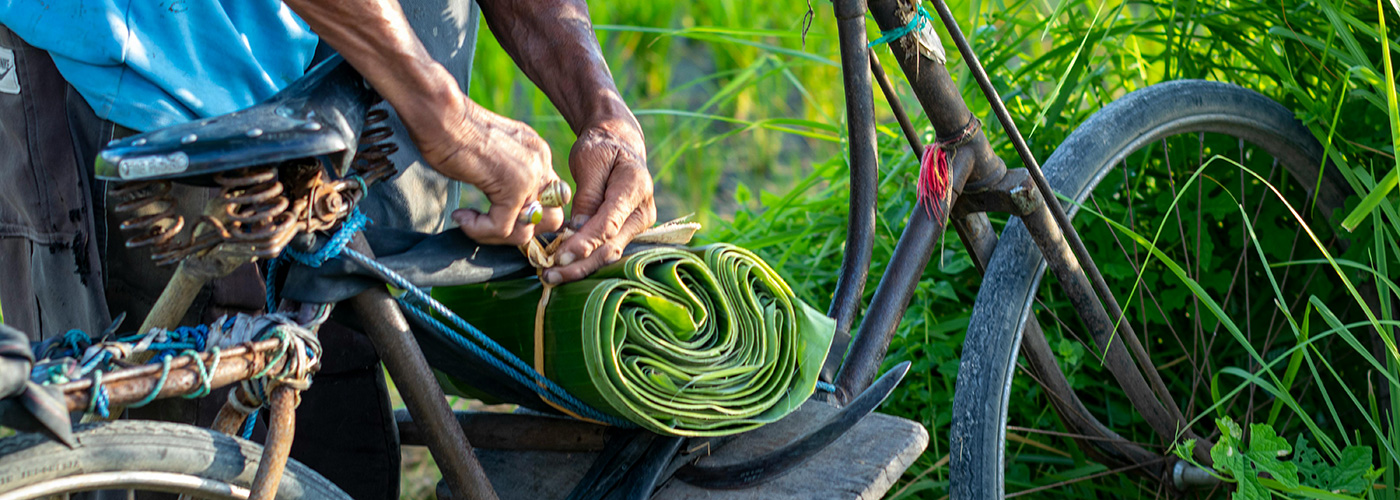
(147, 64)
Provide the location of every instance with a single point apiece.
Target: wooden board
(864, 463)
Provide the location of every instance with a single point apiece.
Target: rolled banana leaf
(691, 342)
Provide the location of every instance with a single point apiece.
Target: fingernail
(580, 220)
(566, 258)
(552, 277)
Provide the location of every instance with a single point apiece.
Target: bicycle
(968, 181)
(291, 171)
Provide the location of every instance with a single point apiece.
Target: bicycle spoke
(1085, 478)
(1084, 437)
(1136, 266)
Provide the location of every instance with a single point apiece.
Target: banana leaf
(690, 342)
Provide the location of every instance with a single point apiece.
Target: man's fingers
(496, 227)
(597, 231)
(589, 162)
(625, 193)
(603, 254)
(552, 220)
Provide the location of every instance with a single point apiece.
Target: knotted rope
(355, 223)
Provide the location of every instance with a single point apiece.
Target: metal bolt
(189, 139)
(257, 132)
(311, 126)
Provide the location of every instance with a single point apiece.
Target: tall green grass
(744, 124)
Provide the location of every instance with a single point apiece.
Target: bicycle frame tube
(945, 108)
(1060, 218)
(860, 236)
(404, 360)
(129, 385)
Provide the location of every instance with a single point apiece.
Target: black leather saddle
(318, 116)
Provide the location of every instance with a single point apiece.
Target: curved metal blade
(778, 462)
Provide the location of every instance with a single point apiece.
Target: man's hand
(509, 162)
(614, 201)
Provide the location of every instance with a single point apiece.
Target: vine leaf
(1263, 454)
(1352, 474)
(1266, 452)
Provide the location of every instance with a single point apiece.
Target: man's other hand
(614, 197)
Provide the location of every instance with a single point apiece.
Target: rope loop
(921, 16)
(332, 248)
(301, 349)
(160, 383)
(206, 377)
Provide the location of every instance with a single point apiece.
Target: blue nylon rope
(100, 401)
(525, 375)
(825, 387)
(248, 424)
(920, 16)
(330, 250)
(498, 357)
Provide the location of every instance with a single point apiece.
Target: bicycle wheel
(1151, 141)
(145, 456)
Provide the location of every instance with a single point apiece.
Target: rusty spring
(372, 162)
(256, 210)
(254, 216)
(159, 225)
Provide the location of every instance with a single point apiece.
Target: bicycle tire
(1005, 299)
(146, 456)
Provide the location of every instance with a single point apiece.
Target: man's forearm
(553, 43)
(375, 38)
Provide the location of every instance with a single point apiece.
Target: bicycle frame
(980, 182)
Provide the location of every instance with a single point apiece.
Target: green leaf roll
(690, 342)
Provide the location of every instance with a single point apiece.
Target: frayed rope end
(933, 181)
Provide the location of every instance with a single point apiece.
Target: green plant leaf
(1226, 452)
(1352, 474)
(1266, 451)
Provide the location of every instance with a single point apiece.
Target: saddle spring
(372, 162)
(257, 210)
(158, 228)
(257, 213)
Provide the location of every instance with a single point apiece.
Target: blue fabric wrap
(147, 64)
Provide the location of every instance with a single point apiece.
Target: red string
(933, 181)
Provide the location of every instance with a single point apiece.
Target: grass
(744, 124)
